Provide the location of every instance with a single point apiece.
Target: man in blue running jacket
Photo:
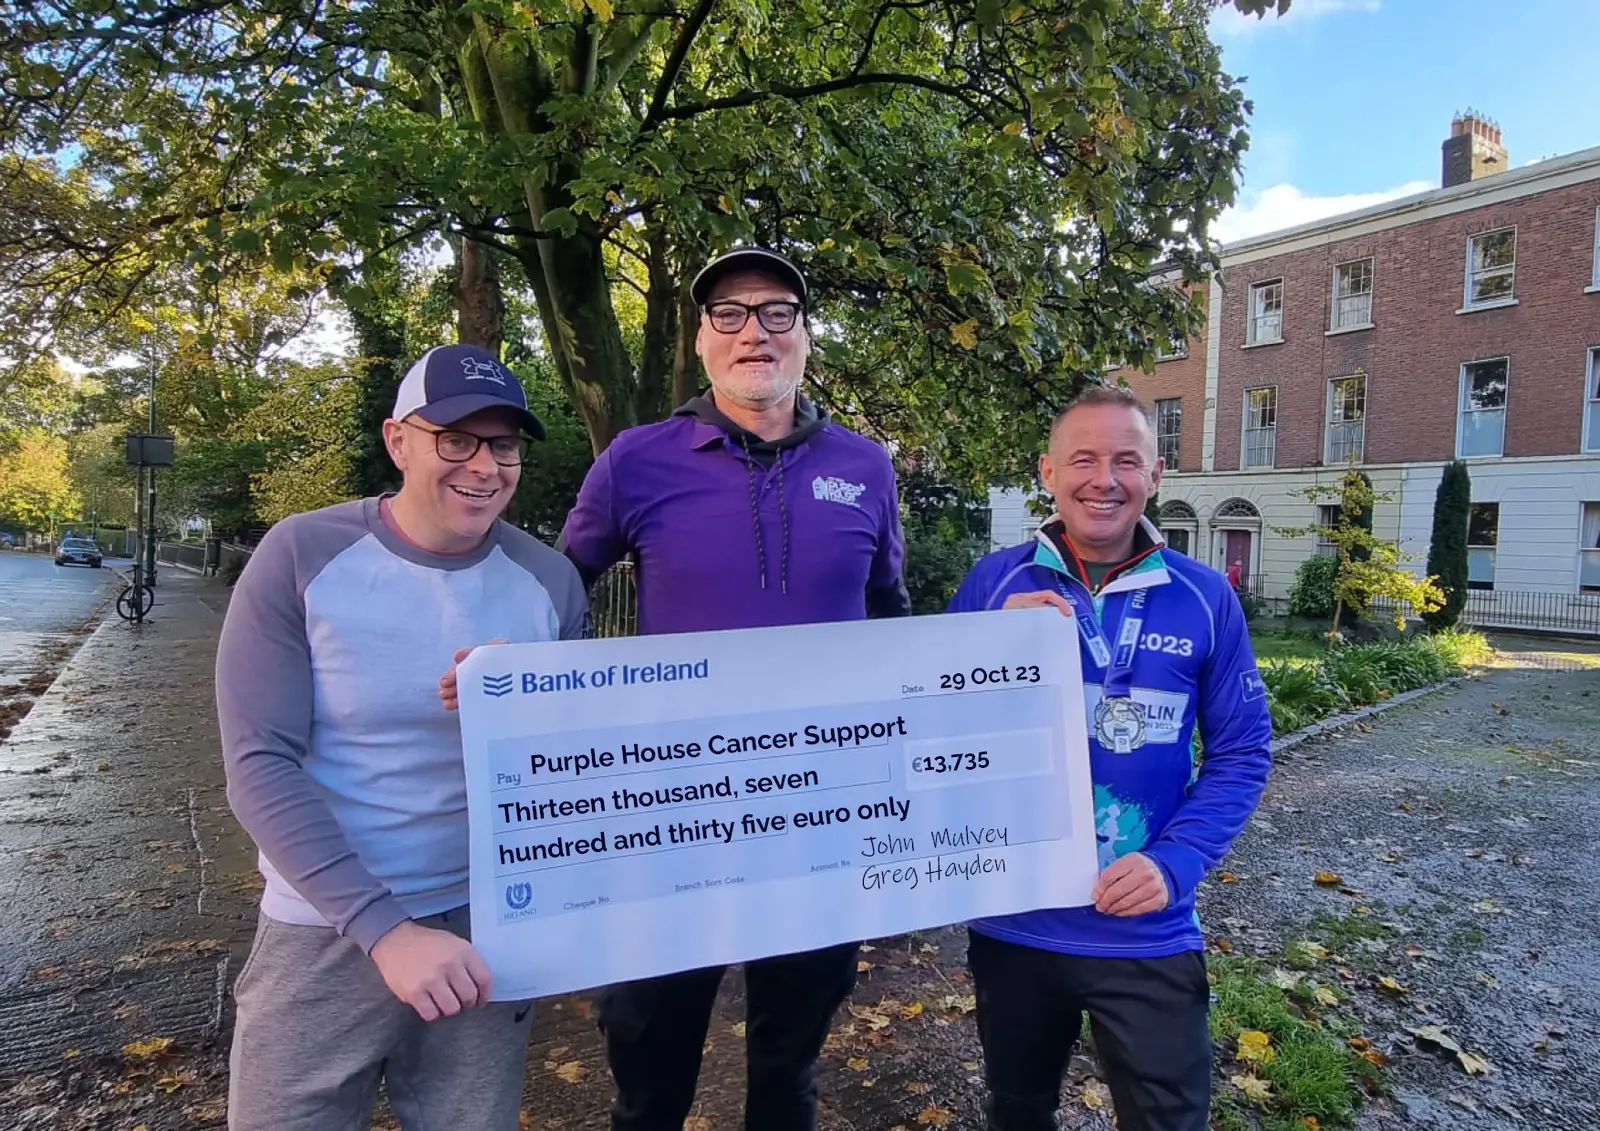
(1165, 649)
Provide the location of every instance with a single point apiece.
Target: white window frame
(1246, 429)
(1591, 400)
(1594, 277)
(1493, 548)
(1175, 349)
(1360, 446)
(1462, 410)
(1177, 438)
(1335, 325)
(1252, 317)
(1327, 515)
(1505, 300)
(1587, 553)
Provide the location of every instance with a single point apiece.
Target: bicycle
(136, 597)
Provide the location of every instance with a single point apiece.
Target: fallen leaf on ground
(739, 1029)
(964, 1003)
(1487, 907)
(1389, 985)
(144, 1050)
(1434, 1035)
(911, 1011)
(1325, 996)
(1227, 877)
(1253, 1086)
(697, 1123)
(1474, 1064)
(170, 1084)
(572, 1071)
(1311, 1123)
(1283, 979)
(856, 1064)
(867, 948)
(919, 1087)
(1389, 857)
(932, 1116)
(1309, 949)
(1094, 1095)
(863, 967)
(1255, 1047)
(1329, 879)
(874, 1021)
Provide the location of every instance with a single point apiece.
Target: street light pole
(150, 488)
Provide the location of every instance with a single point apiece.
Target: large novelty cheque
(660, 803)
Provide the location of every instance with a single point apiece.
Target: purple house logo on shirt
(835, 490)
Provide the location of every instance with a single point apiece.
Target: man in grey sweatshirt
(349, 778)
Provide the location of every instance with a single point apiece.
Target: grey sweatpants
(317, 1029)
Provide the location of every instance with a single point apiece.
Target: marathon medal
(1118, 719)
(1119, 724)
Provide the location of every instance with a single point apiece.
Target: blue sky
(1353, 97)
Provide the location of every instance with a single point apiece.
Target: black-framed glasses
(729, 317)
(456, 446)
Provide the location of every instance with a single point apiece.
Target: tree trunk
(565, 263)
(686, 363)
(660, 331)
(480, 305)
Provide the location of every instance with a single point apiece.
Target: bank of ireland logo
(495, 686)
(832, 489)
(518, 896)
(1119, 724)
(482, 369)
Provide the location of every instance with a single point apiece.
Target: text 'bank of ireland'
(816, 786)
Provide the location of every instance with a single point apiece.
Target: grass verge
(1283, 1050)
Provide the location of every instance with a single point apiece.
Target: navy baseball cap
(748, 259)
(450, 383)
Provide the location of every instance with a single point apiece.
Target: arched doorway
(1180, 526)
(1236, 542)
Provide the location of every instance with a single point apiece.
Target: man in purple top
(747, 507)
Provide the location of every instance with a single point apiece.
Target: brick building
(1463, 321)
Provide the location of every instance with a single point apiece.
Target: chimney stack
(1473, 150)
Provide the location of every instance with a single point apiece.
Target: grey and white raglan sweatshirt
(341, 762)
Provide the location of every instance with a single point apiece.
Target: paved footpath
(130, 895)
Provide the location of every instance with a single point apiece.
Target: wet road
(43, 608)
(37, 595)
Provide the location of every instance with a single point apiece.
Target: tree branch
(680, 52)
(800, 93)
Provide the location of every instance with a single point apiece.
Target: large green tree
(979, 188)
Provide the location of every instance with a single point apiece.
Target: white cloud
(1284, 206)
(1228, 22)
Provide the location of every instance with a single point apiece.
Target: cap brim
(748, 259)
(453, 410)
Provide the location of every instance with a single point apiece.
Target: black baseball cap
(761, 259)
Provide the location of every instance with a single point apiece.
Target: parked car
(8, 540)
(78, 551)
